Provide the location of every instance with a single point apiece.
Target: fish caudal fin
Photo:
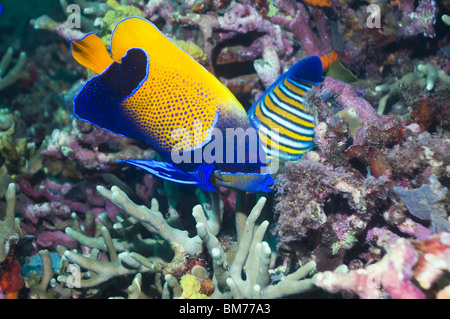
(99, 101)
(91, 53)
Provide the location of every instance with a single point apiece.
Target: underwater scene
(225, 149)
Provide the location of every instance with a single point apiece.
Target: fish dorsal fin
(308, 69)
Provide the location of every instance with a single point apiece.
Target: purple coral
(419, 21)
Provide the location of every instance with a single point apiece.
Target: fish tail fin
(91, 53)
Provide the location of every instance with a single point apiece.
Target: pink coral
(396, 274)
(419, 21)
(81, 145)
(51, 239)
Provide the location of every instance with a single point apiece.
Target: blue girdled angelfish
(285, 126)
(149, 89)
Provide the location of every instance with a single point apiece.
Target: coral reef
(409, 270)
(364, 214)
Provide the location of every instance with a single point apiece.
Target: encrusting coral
(423, 203)
(408, 268)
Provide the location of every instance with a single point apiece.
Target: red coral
(207, 287)
(11, 280)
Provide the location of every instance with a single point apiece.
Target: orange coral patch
(318, 3)
(328, 60)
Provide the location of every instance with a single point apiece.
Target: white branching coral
(10, 231)
(252, 257)
(130, 254)
(426, 76)
(14, 73)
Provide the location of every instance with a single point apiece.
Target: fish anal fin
(202, 175)
(163, 170)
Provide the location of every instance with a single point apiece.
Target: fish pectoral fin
(91, 53)
(203, 175)
(164, 170)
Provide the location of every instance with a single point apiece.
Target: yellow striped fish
(285, 126)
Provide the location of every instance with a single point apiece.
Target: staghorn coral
(10, 231)
(252, 256)
(189, 287)
(11, 280)
(63, 29)
(347, 212)
(45, 286)
(7, 78)
(446, 19)
(132, 254)
(134, 257)
(425, 76)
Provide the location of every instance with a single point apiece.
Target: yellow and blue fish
(148, 89)
(285, 125)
